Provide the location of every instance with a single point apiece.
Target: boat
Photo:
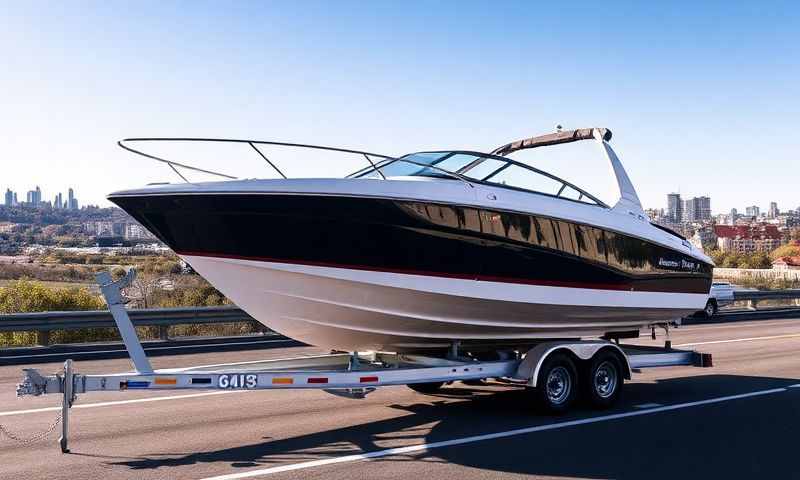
(428, 250)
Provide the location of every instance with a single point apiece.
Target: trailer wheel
(427, 388)
(557, 385)
(711, 308)
(604, 379)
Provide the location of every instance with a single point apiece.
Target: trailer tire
(604, 379)
(557, 385)
(711, 308)
(427, 388)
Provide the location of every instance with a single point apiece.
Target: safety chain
(37, 436)
(33, 438)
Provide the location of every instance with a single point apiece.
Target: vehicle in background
(721, 294)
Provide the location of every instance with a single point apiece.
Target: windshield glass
(478, 167)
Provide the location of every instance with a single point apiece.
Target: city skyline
(36, 197)
(747, 207)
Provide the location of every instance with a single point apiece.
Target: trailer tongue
(555, 371)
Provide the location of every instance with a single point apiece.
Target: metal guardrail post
(43, 337)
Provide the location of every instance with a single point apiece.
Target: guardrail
(752, 297)
(45, 322)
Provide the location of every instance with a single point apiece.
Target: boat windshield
(481, 168)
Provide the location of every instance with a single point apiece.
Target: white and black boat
(428, 249)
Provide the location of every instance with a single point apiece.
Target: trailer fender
(535, 357)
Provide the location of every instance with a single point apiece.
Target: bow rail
(253, 144)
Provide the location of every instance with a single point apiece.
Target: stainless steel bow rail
(356, 374)
(254, 144)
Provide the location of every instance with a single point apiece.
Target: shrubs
(740, 260)
(47, 273)
(187, 291)
(24, 296)
(789, 250)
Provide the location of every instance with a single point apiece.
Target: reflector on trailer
(166, 381)
(282, 381)
(130, 384)
(368, 379)
(318, 380)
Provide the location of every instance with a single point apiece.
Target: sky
(703, 97)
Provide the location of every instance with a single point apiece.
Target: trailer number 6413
(238, 380)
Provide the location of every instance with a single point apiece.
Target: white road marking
(121, 402)
(647, 405)
(480, 438)
(734, 340)
(147, 349)
(796, 385)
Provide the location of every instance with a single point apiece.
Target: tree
(731, 260)
(718, 256)
(788, 250)
(756, 260)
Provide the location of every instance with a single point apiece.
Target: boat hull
(362, 310)
(355, 273)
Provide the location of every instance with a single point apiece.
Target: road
(736, 420)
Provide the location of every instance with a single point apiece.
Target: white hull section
(350, 310)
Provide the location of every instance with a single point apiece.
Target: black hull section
(414, 237)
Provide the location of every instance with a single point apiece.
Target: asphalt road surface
(739, 419)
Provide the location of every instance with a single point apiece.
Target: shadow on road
(751, 437)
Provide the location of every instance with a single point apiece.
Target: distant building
(674, 208)
(119, 228)
(748, 238)
(697, 209)
(59, 201)
(136, 232)
(99, 228)
(753, 211)
(704, 238)
(773, 210)
(72, 202)
(656, 214)
(786, 263)
(34, 197)
(9, 200)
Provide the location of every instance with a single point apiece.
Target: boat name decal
(682, 264)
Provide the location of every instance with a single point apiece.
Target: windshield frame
(481, 156)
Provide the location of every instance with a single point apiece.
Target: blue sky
(704, 99)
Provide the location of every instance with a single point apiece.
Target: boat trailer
(347, 374)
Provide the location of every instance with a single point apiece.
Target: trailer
(554, 372)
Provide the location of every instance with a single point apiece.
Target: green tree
(731, 260)
(756, 260)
